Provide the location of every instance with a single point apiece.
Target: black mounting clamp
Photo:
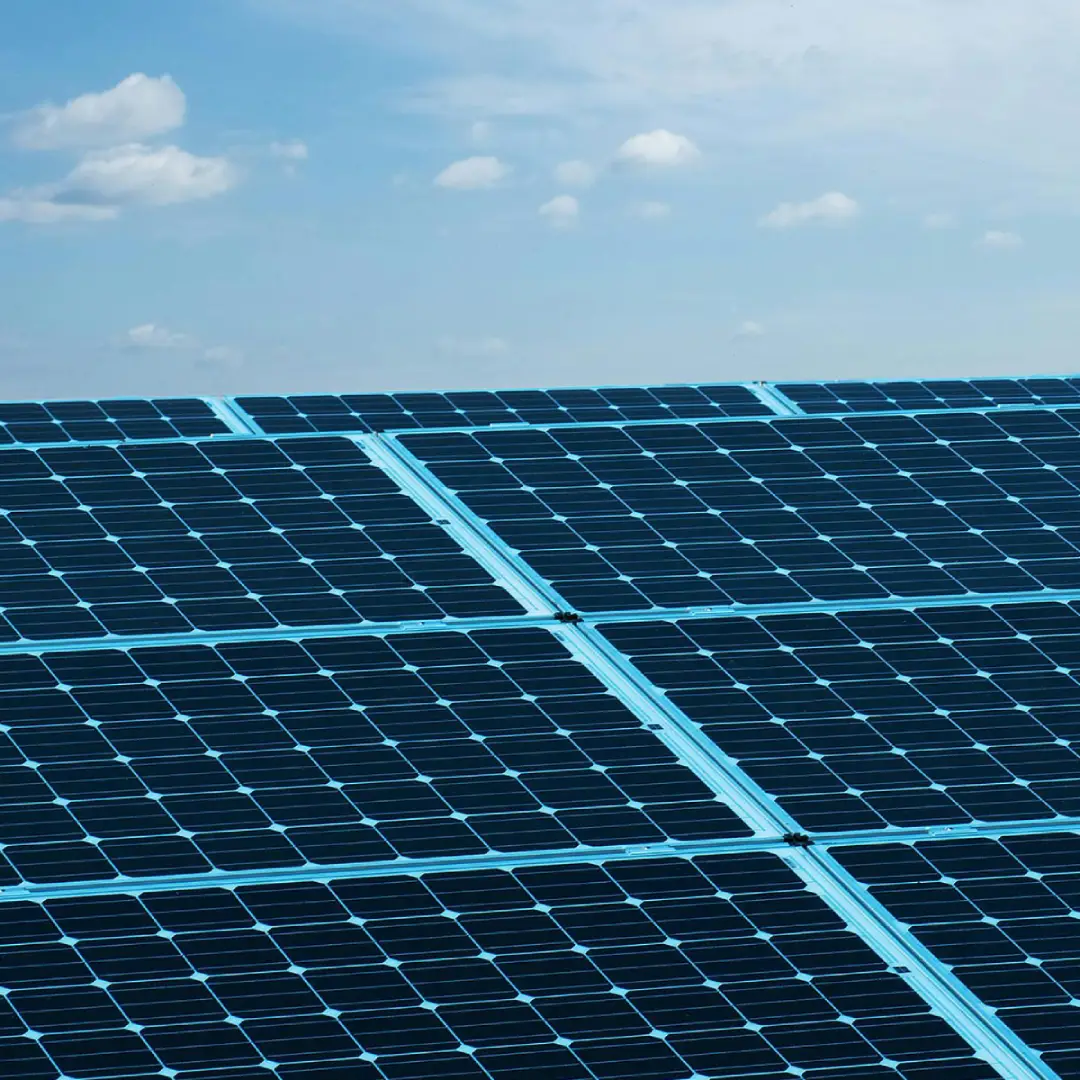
(797, 839)
(567, 617)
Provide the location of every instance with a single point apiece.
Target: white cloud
(222, 356)
(938, 221)
(292, 150)
(577, 174)
(652, 210)
(476, 347)
(660, 148)
(34, 210)
(134, 109)
(561, 212)
(480, 132)
(824, 75)
(137, 174)
(152, 336)
(996, 240)
(833, 207)
(748, 329)
(473, 174)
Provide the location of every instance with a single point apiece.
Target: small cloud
(473, 174)
(659, 148)
(152, 336)
(576, 174)
(222, 356)
(995, 240)
(292, 150)
(33, 210)
(480, 133)
(651, 211)
(134, 109)
(561, 212)
(748, 329)
(938, 221)
(833, 207)
(486, 346)
(137, 174)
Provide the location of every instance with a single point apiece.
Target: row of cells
(483, 408)
(869, 718)
(106, 421)
(838, 397)
(779, 512)
(638, 970)
(170, 537)
(276, 754)
(1004, 915)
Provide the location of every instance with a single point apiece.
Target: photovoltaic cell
(28, 422)
(483, 408)
(842, 397)
(241, 533)
(276, 754)
(649, 516)
(639, 970)
(867, 719)
(1004, 915)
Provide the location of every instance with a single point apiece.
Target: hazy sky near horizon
(329, 195)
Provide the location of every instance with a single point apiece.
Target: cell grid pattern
(192, 759)
(28, 422)
(843, 397)
(175, 537)
(1004, 915)
(875, 718)
(484, 408)
(663, 733)
(659, 969)
(787, 511)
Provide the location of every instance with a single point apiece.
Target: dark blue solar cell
(218, 536)
(520, 972)
(936, 716)
(467, 409)
(784, 523)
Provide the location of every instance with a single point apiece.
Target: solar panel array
(648, 733)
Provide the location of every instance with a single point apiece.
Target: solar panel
(28, 422)
(636, 970)
(1003, 914)
(873, 718)
(554, 751)
(264, 754)
(843, 397)
(238, 533)
(780, 512)
(483, 408)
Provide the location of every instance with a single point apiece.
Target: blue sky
(329, 195)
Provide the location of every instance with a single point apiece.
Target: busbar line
(508, 860)
(779, 402)
(280, 633)
(542, 618)
(231, 879)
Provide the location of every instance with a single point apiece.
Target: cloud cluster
(833, 207)
(151, 337)
(660, 148)
(562, 212)
(136, 108)
(473, 174)
(116, 169)
(997, 240)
